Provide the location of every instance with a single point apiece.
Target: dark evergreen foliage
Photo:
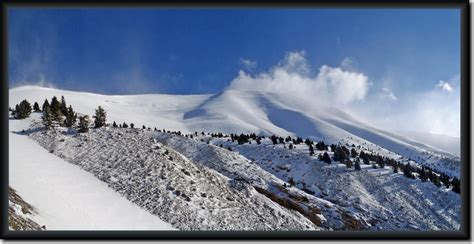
(84, 122)
(63, 106)
(353, 153)
(46, 103)
(56, 108)
(100, 117)
(36, 107)
(47, 117)
(71, 117)
(311, 150)
(23, 110)
(357, 165)
(326, 158)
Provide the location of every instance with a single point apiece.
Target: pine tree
(311, 150)
(348, 163)
(407, 171)
(114, 125)
(395, 169)
(143, 127)
(15, 111)
(47, 117)
(326, 158)
(456, 186)
(23, 110)
(423, 175)
(100, 117)
(132, 125)
(46, 103)
(124, 125)
(63, 106)
(56, 110)
(84, 123)
(36, 107)
(357, 165)
(71, 117)
(55, 107)
(353, 153)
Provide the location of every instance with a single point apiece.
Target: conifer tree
(23, 110)
(423, 176)
(55, 106)
(15, 111)
(311, 149)
(124, 125)
(47, 117)
(353, 153)
(456, 186)
(357, 165)
(395, 169)
(63, 106)
(56, 109)
(100, 117)
(348, 163)
(114, 125)
(326, 158)
(36, 107)
(71, 117)
(46, 103)
(407, 171)
(132, 125)
(84, 123)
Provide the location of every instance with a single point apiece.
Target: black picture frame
(463, 234)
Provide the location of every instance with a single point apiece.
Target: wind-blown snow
(341, 196)
(66, 197)
(234, 111)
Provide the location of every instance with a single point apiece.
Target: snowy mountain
(210, 182)
(246, 112)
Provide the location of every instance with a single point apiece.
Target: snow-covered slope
(66, 197)
(194, 184)
(157, 110)
(446, 143)
(246, 112)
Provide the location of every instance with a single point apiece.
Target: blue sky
(406, 60)
(200, 51)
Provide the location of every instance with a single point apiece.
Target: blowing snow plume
(291, 78)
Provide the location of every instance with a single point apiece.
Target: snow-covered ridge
(196, 183)
(245, 112)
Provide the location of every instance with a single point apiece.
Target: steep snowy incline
(246, 112)
(166, 183)
(273, 114)
(67, 197)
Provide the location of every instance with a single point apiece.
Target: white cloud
(433, 111)
(295, 62)
(445, 86)
(334, 86)
(248, 64)
(347, 64)
(386, 93)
